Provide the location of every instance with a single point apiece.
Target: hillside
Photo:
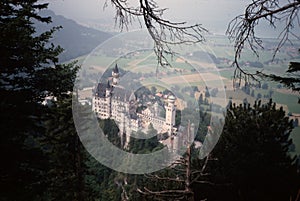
(77, 40)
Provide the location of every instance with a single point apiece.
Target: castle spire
(116, 69)
(115, 74)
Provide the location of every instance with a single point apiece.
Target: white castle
(111, 101)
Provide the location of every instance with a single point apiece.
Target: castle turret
(156, 109)
(170, 114)
(107, 100)
(108, 90)
(115, 74)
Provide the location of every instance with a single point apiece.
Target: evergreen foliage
(29, 73)
(250, 162)
(253, 154)
(291, 80)
(64, 152)
(43, 158)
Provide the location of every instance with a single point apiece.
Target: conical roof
(116, 69)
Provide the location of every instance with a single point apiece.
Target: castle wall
(113, 102)
(101, 106)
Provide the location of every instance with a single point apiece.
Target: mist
(213, 14)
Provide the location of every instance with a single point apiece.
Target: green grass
(287, 99)
(226, 73)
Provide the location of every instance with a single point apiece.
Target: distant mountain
(77, 40)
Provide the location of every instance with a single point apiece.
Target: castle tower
(127, 132)
(108, 90)
(156, 109)
(107, 100)
(122, 126)
(115, 74)
(170, 114)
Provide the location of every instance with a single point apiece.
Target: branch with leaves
(164, 33)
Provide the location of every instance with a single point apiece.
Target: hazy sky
(211, 13)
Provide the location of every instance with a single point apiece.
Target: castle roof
(108, 86)
(116, 69)
(121, 94)
(100, 90)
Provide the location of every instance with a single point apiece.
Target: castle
(111, 101)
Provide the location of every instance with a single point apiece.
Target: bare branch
(179, 194)
(201, 173)
(164, 33)
(241, 29)
(167, 178)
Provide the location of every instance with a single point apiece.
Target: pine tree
(65, 172)
(29, 73)
(253, 154)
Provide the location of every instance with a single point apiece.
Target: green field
(145, 62)
(287, 99)
(227, 73)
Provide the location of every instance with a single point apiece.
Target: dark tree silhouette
(29, 73)
(253, 154)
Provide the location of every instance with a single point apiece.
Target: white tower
(115, 74)
(122, 126)
(108, 90)
(170, 114)
(156, 109)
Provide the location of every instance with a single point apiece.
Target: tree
(296, 122)
(258, 96)
(214, 92)
(29, 73)
(177, 181)
(291, 80)
(265, 86)
(252, 93)
(200, 100)
(207, 93)
(246, 88)
(65, 153)
(253, 154)
(241, 30)
(153, 90)
(250, 162)
(175, 187)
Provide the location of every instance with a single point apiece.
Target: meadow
(187, 71)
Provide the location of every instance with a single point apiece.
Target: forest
(43, 157)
